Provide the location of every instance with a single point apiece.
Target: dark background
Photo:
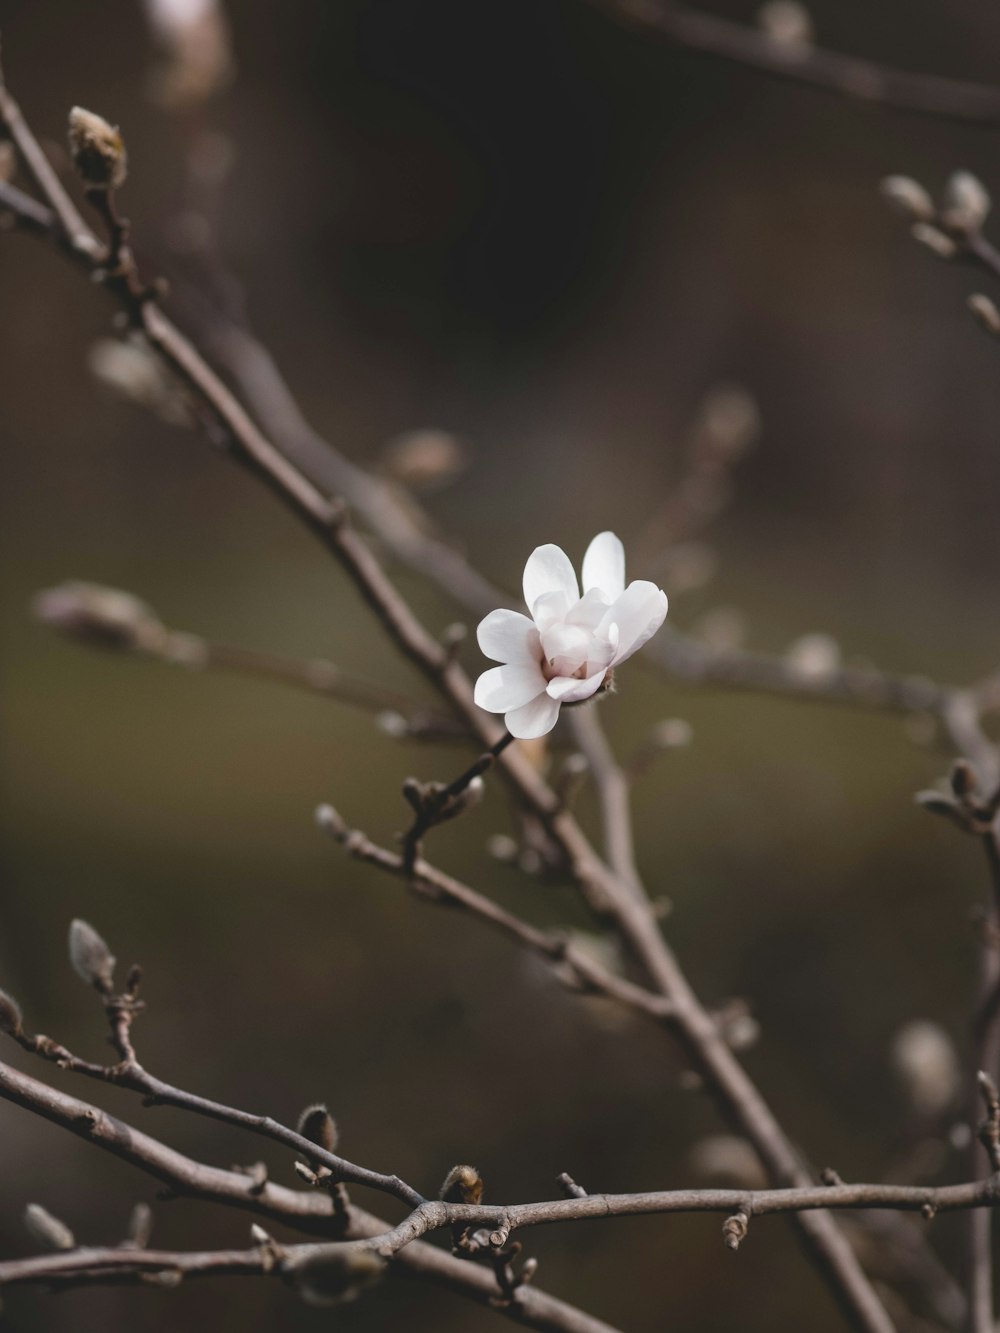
(524, 224)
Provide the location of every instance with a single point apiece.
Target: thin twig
(864, 80)
(310, 1212)
(604, 891)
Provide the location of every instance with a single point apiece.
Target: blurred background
(549, 236)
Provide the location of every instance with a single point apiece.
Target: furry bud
(462, 1184)
(97, 149)
(10, 1015)
(908, 197)
(91, 957)
(102, 616)
(318, 1126)
(336, 1274)
(48, 1230)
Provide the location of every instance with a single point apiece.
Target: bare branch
(708, 34)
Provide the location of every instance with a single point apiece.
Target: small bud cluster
(951, 230)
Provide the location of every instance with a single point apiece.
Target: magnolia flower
(566, 651)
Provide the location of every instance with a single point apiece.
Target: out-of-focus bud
(730, 418)
(140, 1227)
(424, 460)
(962, 778)
(48, 1230)
(786, 23)
(985, 312)
(934, 239)
(259, 1236)
(132, 372)
(909, 198)
(195, 40)
(967, 202)
(924, 1060)
(337, 1274)
(11, 1021)
(725, 1160)
(502, 847)
(318, 1126)
(462, 1184)
(673, 733)
(814, 656)
(106, 617)
(97, 150)
(90, 956)
(737, 1025)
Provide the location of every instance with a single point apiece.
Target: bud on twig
(48, 1230)
(97, 149)
(985, 312)
(909, 198)
(734, 1230)
(318, 1126)
(462, 1184)
(337, 1274)
(140, 1227)
(10, 1015)
(935, 239)
(103, 616)
(91, 957)
(966, 202)
(787, 23)
(925, 1062)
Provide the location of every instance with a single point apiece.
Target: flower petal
(508, 636)
(549, 608)
(533, 719)
(549, 570)
(639, 612)
(506, 687)
(565, 647)
(589, 610)
(604, 566)
(570, 691)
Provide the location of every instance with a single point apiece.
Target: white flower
(565, 651)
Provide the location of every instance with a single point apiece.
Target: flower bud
(934, 239)
(318, 1126)
(140, 1227)
(97, 149)
(424, 459)
(336, 1274)
(10, 1015)
(91, 957)
(462, 1184)
(46, 1229)
(909, 198)
(985, 312)
(103, 616)
(724, 1160)
(925, 1062)
(814, 656)
(786, 22)
(966, 201)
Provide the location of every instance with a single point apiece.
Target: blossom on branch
(566, 651)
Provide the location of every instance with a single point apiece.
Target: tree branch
(802, 62)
